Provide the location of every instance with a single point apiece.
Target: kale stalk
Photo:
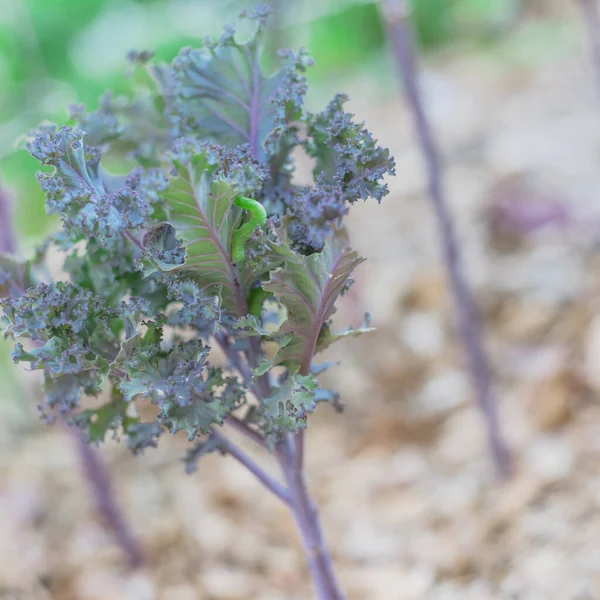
(395, 14)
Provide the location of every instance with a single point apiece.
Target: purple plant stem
(401, 40)
(591, 16)
(99, 480)
(7, 236)
(306, 516)
(94, 470)
(245, 429)
(290, 453)
(291, 457)
(230, 448)
(98, 477)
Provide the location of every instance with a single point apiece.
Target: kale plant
(183, 232)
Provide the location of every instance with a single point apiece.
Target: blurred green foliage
(441, 21)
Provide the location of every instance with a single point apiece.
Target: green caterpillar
(240, 236)
(256, 299)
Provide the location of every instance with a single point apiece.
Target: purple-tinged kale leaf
(288, 408)
(191, 395)
(198, 309)
(75, 338)
(347, 155)
(220, 92)
(200, 216)
(91, 202)
(308, 288)
(143, 435)
(318, 212)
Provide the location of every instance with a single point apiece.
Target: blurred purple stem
(395, 13)
(591, 16)
(99, 480)
(94, 470)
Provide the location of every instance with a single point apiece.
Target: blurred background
(411, 504)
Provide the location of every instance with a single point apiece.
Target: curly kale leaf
(221, 92)
(108, 269)
(287, 409)
(347, 155)
(143, 435)
(318, 213)
(198, 309)
(191, 395)
(308, 288)
(76, 338)
(198, 450)
(116, 417)
(350, 165)
(96, 423)
(91, 202)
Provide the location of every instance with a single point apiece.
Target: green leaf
(143, 435)
(326, 338)
(308, 288)
(191, 395)
(288, 407)
(198, 450)
(221, 92)
(199, 207)
(99, 421)
(62, 394)
(195, 418)
(250, 325)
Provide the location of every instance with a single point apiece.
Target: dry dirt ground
(409, 498)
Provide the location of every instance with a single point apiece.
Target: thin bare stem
(290, 452)
(591, 17)
(94, 470)
(99, 481)
(230, 448)
(7, 235)
(401, 40)
(307, 521)
(245, 430)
